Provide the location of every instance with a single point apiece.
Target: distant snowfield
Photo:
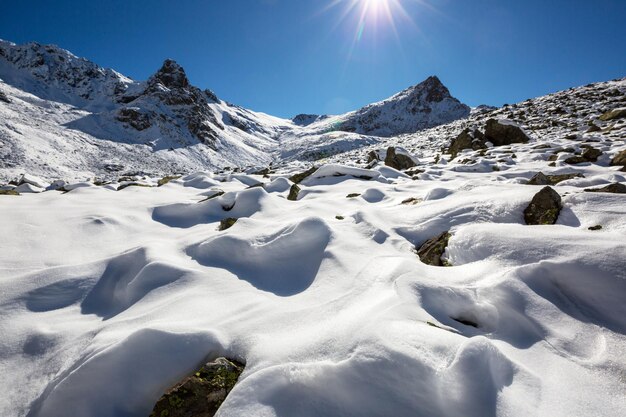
(108, 297)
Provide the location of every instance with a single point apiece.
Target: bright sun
(371, 14)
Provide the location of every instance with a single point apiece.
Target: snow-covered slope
(65, 117)
(422, 106)
(111, 292)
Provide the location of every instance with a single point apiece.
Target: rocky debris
(353, 195)
(593, 128)
(541, 179)
(596, 227)
(613, 114)
(504, 132)
(298, 178)
(9, 192)
(4, 98)
(615, 188)
(467, 139)
(619, 159)
(430, 252)
(293, 193)
(397, 160)
(227, 223)
(544, 207)
(201, 394)
(590, 154)
(167, 179)
(216, 193)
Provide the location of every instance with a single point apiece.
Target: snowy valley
(411, 258)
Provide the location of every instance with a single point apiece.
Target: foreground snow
(109, 297)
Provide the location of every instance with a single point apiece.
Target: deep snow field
(109, 297)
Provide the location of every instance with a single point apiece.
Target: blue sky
(286, 57)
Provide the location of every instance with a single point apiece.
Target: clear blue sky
(286, 57)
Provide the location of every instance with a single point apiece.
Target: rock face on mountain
(55, 74)
(425, 105)
(187, 106)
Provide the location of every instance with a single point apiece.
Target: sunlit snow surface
(108, 297)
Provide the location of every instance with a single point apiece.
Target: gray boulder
(504, 132)
(398, 161)
(544, 208)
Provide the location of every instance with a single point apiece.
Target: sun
(371, 15)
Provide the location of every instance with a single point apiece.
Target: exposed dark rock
(9, 192)
(133, 117)
(615, 188)
(541, 179)
(353, 195)
(467, 139)
(544, 207)
(227, 223)
(372, 156)
(503, 133)
(307, 119)
(594, 228)
(3, 97)
(201, 394)
(171, 75)
(593, 128)
(613, 114)
(132, 184)
(431, 251)
(591, 154)
(293, 193)
(298, 178)
(619, 159)
(167, 179)
(398, 161)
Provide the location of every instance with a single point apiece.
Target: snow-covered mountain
(65, 116)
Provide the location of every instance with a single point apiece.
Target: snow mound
(284, 263)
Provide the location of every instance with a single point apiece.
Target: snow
(108, 297)
(130, 290)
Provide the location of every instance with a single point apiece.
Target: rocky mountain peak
(171, 75)
(430, 90)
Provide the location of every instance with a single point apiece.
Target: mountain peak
(171, 75)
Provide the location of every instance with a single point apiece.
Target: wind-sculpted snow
(109, 297)
(284, 263)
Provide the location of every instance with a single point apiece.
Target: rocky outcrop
(307, 119)
(544, 208)
(134, 118)
(397, 160)
(4, 98)
(504, 132)
(430, 252)
(227, 223)
(201, 394)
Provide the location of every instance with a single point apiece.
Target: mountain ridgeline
(166, 122)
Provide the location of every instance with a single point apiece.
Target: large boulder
(504, 132)
(397, 160)
(201, 394)
(467, 139)
(544, 208)
(430, 252)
